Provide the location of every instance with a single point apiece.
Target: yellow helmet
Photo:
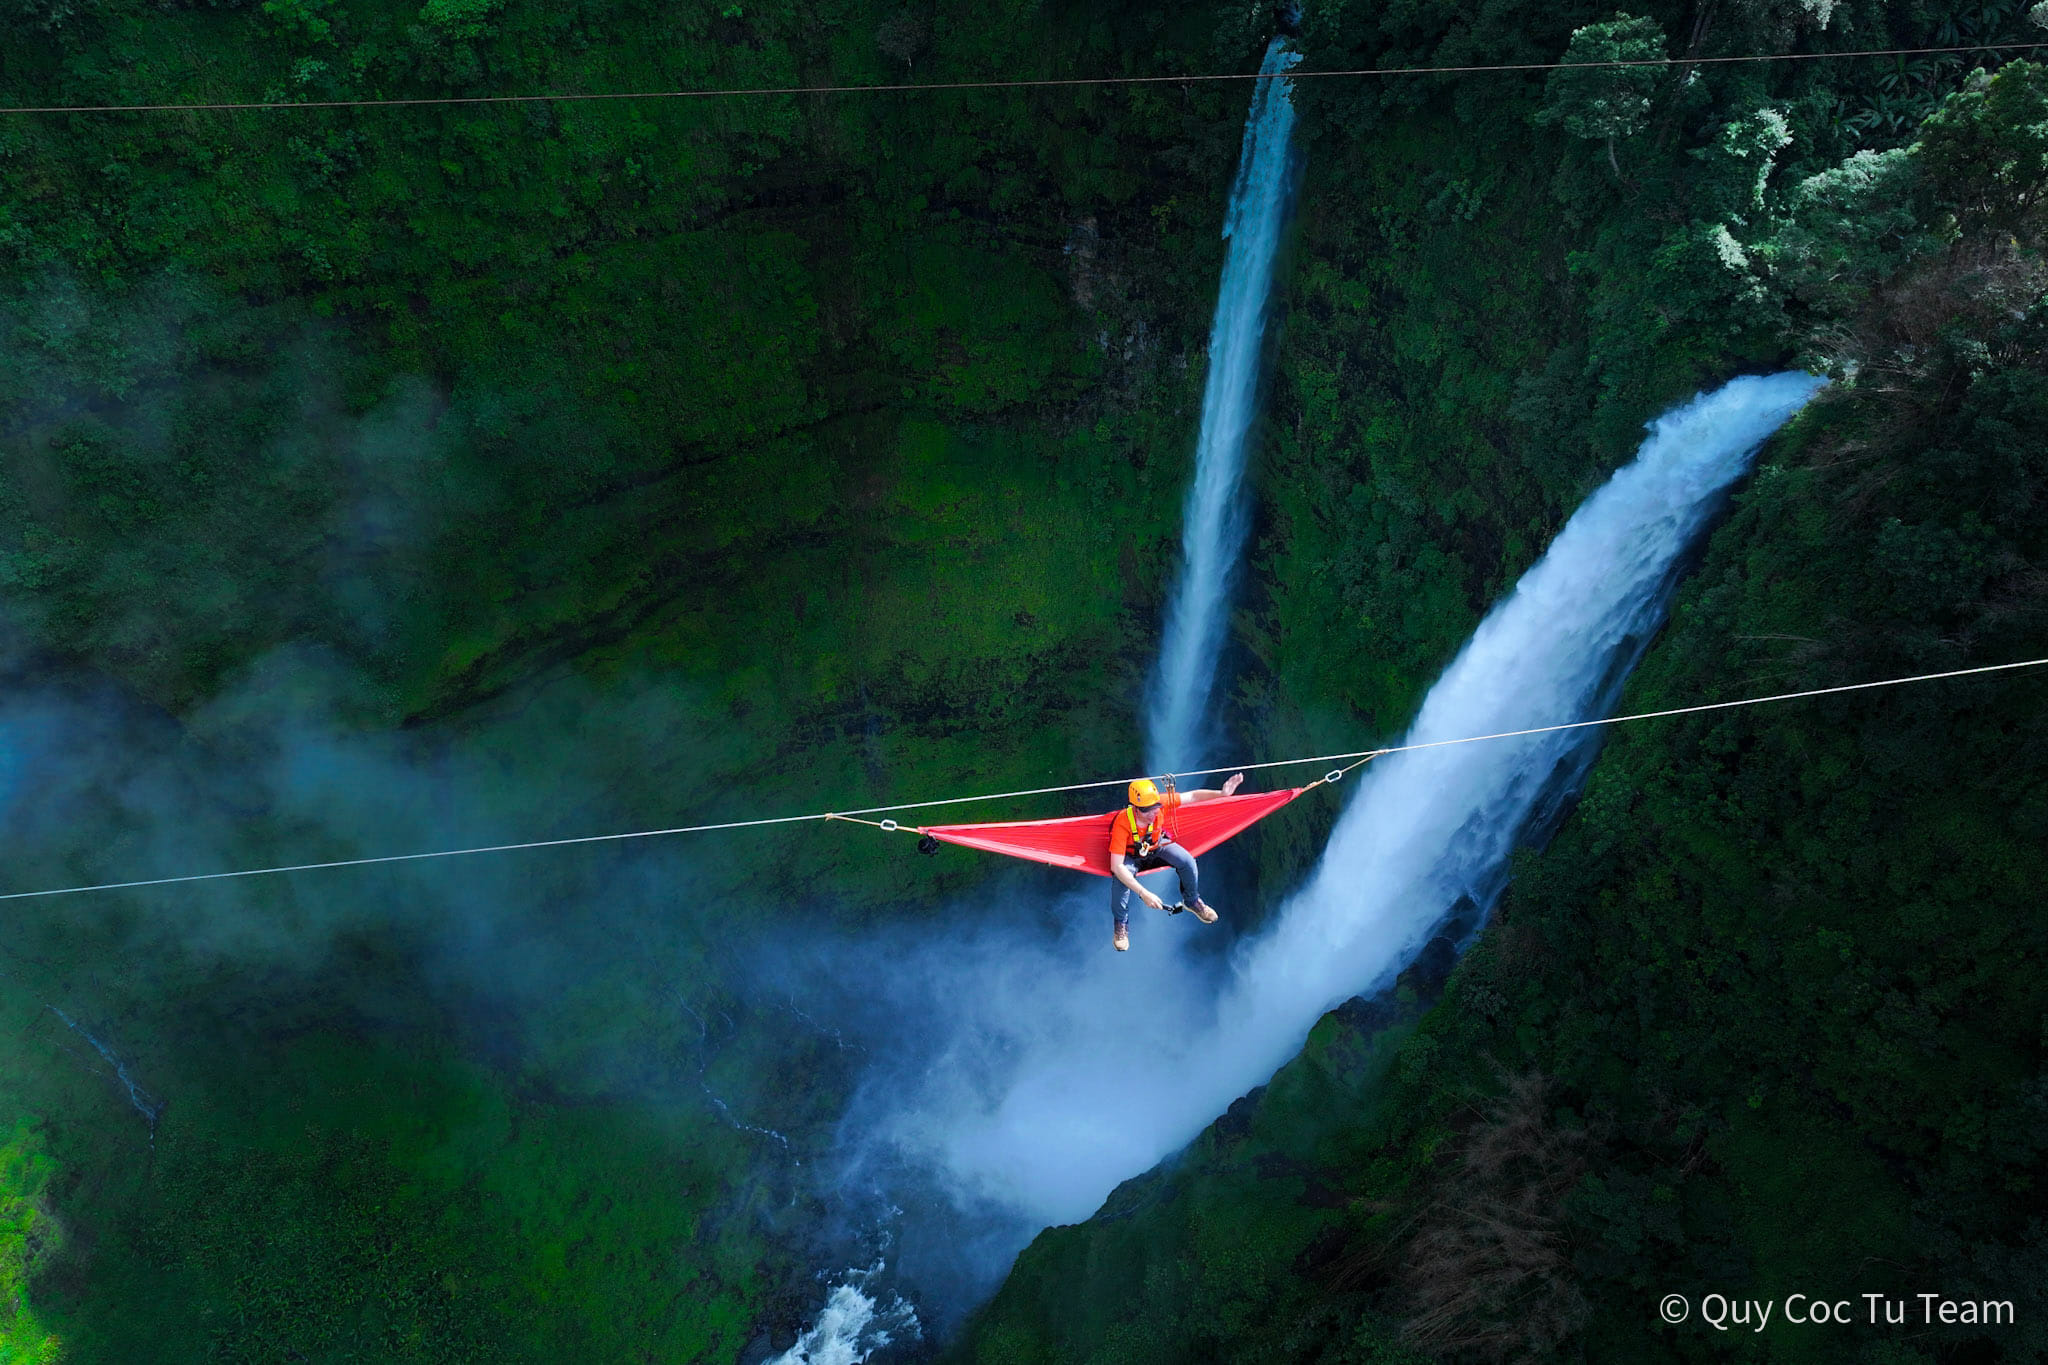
(1144, 793)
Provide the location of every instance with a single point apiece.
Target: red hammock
(1081, 842)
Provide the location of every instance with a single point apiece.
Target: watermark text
(1724, 1313)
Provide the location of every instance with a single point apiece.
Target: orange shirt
(1124, 830)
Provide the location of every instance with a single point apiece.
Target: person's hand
(1233, 784)
(1153, 901)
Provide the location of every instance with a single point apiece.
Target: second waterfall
(1213, 528)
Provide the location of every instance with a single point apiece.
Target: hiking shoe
(1123, 939)
(1203, 912)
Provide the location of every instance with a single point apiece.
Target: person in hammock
(1141, 840)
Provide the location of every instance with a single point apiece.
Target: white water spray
(1213, 529)
(1070, 1069)
(852, 1326)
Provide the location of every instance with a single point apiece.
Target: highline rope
(1360, 756)
(736, 92)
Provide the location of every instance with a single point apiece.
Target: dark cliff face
(444, 475)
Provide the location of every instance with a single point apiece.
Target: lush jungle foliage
(832, 446)
(546, 468)
(1769, 1012)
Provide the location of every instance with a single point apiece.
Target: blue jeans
(1166, 855)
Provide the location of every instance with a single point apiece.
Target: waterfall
(852, 1326)
(1067, 1069)
(1430, 828)
(1214, 525)
(1212, 538)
